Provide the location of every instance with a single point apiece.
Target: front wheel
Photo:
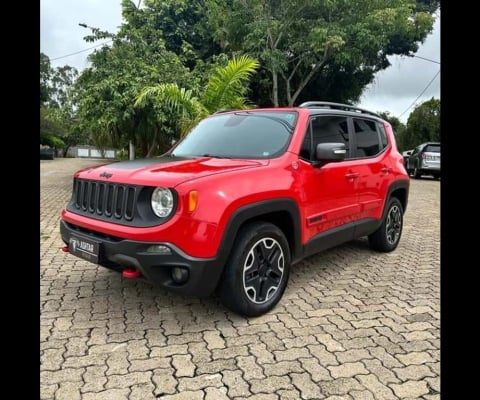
(256, 273)
(386, 238)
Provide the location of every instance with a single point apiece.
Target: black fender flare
(399, 184)
(256, 211)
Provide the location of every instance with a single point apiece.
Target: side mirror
(330, 152)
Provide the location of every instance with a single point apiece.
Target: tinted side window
(330, 129)
(383, 135)
(368, 141)
(324, 129)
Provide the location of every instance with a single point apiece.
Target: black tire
(436, 176)
(256, 243)
(387, 237)
(416, 173)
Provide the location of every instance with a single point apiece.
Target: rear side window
(383, 135)
(367, 138)
(432, 148)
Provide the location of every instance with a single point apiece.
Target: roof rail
(338, 106)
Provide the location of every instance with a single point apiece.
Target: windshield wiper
(213, 156)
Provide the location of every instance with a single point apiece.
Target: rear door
(370, 152)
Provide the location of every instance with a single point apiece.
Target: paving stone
(236, 384)
(164, 381)
(413, 372)
(347, 370)
(372, 383)
(361, 395)
(282, 368)
(94, 379)
(307, 388)
(142, 391)
(183, 365)
(212, 393)
(340, 386)
(199, 382)
(384, 375)
(68, 391)
(186, 395)
(291, 354)
(411, 389)
(415, 358)
(270, 384)
(127, 380)
(352, 355)
(111, 394)
(250, 368)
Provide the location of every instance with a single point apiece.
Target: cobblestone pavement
(352, 324)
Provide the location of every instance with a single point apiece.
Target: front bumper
(118, 254)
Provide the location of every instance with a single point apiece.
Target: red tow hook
(65, 249)
(131, 273)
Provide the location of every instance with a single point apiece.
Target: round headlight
(162, 202)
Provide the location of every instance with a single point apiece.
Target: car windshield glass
(432, 148)
(244, 134)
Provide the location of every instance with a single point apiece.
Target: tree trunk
(131, 150)
(304, 82)
(66, 151)
(275, 88)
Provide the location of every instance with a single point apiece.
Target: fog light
(159, 249)
(179, 274)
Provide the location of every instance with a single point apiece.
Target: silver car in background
(424, 160)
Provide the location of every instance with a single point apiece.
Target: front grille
(113, 202)
(108, 199)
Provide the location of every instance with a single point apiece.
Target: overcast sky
(394, 89)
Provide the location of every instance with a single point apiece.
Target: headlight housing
(162, 202)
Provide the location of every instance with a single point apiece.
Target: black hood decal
(143, 162)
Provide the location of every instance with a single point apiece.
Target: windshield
(244, 134)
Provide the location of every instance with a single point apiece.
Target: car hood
(165, 171)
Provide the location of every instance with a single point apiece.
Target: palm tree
(226, 89)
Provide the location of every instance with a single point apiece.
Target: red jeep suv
(245, 195)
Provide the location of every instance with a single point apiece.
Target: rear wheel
(256, 273)
(387, 237)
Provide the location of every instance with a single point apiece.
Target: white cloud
(395, 88)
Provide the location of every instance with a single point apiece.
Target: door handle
(352, 175)
(386, 170)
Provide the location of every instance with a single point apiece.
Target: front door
(328, 192)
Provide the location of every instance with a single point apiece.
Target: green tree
(320, 49)
(107, 90)
(45, 73)
(226, 89)
(423, 124)
(58, 125)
